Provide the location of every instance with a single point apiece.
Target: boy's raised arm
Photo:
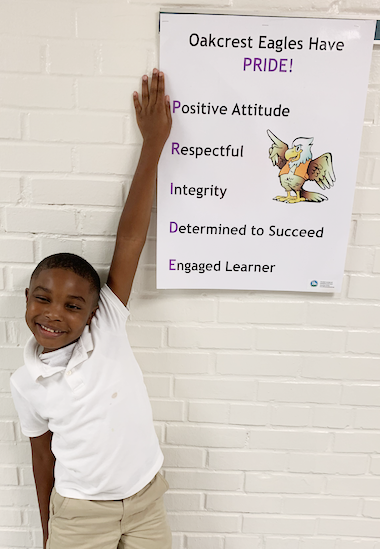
(154, 120)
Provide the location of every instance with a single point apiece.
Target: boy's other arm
(154, 120)
(43, 470)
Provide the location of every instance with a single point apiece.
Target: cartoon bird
(296, 167)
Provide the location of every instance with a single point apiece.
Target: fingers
(136, 102)
(145, 91)
(154, 86)
(167, 107)
(161, 87)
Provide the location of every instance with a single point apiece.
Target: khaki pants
(138, 522)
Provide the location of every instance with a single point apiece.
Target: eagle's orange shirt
(301, 170)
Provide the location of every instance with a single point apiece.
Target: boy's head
(61, 299)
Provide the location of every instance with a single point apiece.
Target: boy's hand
(153, 114)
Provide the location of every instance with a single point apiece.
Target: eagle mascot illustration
(297, 166)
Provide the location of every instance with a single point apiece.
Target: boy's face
(59, 305)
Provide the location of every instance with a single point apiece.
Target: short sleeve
(112, 313)
(32, 424)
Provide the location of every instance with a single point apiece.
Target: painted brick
(19, 54)
(300, 340)
(76, 128)
(120, 21)
(289, 525)
(371, 509)
(213, 437)
(72, 57)
(291, 440)
(37, 91)
(16, 249)
(364, 287)
(183, 501)
(11, 307)
(174, 310)
(117, 61)
(10, 517)
(167, 410)
(184, 457)
(249, 414)
(343, 368)
(293, 416)
(9, 188)
(173, 362)
(213, 388)
(11, 358)
(204, 480)
(242, 542)
(334, 418)
(243, 503)
(52, 245)
(115, 160)
(20, 278)
(210, 338)
(363, 342)
(77, 191)
(144, 336)
(243, 460)
(284, 484)
(367, 418)
(242, 312)
(298, 392)
(30, 157)
(367, 233)
(376, 263)
(359, 259)
(357, 442)
(321, 506)
(8, 476)
(108, 95)
(157, 386)
(195, 541)
(353, 486)
(366, 316)
(367, 201)
(209, 412)
(354, 527)
(258, 364)
(10, 125)
(48, 220)
(204, 522)
(40, 18)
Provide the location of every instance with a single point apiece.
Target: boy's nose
(53, 312)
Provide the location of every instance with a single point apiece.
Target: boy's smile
(59, 305)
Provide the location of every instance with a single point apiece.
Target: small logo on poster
(313, 283)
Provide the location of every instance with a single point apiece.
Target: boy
(80, 395)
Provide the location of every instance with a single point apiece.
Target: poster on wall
(256, 181)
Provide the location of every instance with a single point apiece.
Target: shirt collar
(38, 369)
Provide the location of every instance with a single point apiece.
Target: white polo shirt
(96, 406)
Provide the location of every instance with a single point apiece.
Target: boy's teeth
(49, 329)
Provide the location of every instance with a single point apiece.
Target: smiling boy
(80, 395)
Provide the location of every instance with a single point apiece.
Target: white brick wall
(267, 405)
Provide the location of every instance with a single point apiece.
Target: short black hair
(70, 262)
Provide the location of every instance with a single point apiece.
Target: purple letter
(175, 227)
(270, 65)
(257, 63)
(247, 62)
(283, 65)
(176, 105)
(175, 147)
(171, 266)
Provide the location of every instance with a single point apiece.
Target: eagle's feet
(282, 198)
(294, 199)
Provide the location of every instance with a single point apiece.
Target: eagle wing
(321, 171)
(277, 151)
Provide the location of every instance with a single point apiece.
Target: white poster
(256, 181)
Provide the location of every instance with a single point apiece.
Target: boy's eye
(73, 307)
(41, 298)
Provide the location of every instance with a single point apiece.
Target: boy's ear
(27, 294)
(91, 316)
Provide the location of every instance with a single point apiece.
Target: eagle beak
(292, 154)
